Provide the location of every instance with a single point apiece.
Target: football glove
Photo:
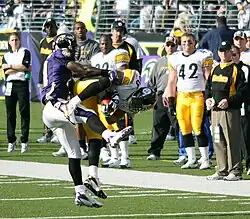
(171, 107)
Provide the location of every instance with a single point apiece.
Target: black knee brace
(95, 146)
(188, 140)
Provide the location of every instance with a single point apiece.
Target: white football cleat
(205, 164)
(104, 155)
(180, 161)
(60, 153)
(12, 146)
(119, 136)
(192, 164)
(84, 199)
(125, 163)
(54, 139)
(113, 163)
(94, 186)
(43, 139)
(24, 147)
(153, 157)
(132, 139)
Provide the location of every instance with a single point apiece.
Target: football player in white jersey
(189, 70)
(240, 40)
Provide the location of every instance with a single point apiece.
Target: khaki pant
(228, 149)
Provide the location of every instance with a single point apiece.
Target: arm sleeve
(26, 58)
(208, 89)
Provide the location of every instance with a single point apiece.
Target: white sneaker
(170, 138)
(54, 139)
(180, 161)
(153, 157)
(119, 136)
(232, 177)
(192, 164)
(12, 146)
(205, 164)
(215, 176)
(43, 139)
(94, 186)
(125, 163)
(113, 163)
(84, 154)
(60, 153)
(24, 147)
(84, 199)
(132, 139)
(104, 155)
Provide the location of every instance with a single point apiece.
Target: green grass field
(22, 197)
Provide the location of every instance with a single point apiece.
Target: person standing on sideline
(16, 66)
(158, 80)
(46, 44)
(245, 109)
(224, 94)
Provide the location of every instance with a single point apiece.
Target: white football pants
(64, 129)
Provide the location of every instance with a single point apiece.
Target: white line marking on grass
(4, 176)
(146, 215)
(107, 189)
(17, 179)
(55, 184)
(68, 197)
(26, 182)
(145, 191)
(230, 199)
(244, 203)
(202, 196)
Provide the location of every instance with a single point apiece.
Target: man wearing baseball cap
(158, 80)
(240, 40)
(225, 89)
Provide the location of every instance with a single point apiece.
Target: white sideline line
(129, 178)
(146, 215)
(4, 176)
(244, 203)
(70, 197)
(145, 191)
(28, 182)
(230, 199)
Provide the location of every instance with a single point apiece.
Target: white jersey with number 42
(190, 76)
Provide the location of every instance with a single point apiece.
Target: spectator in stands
(240, 40)
(245, 109)
(15, 21)
(244, 13)
(213, 38)
(248, 39)
(225, 90)
(46, 47)
(158, 80)
(16, 66)
(122, 8)
(146, 17)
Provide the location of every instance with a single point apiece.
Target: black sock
(94, 88)
(75, 170)
(83, 144)
(94, 151)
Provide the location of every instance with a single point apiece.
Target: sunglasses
(170, 44)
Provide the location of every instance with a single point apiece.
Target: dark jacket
(226, 81)
(213, 39)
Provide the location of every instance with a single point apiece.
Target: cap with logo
(119, 25)
(225, 46)
(49, 21)
(171, 39)
(240, 34)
